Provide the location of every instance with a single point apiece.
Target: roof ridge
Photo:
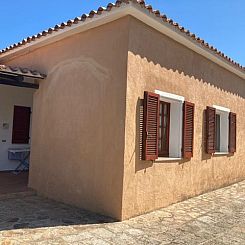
(117, 4)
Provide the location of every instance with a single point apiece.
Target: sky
(219, 22)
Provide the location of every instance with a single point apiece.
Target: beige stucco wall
(157, 62)
(79, 118)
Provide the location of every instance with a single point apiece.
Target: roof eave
(67, 32)
(24, 74)
(124, 10)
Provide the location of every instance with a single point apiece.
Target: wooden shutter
(232, 132)
(150, 126)
(188, 129)
(210, 129)
(21, 125)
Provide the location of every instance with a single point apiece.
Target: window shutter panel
(21, 125)
(232, 132)
(150, 126)
(210, 129)
(188, 129)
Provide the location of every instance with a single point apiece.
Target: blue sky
(220, 22)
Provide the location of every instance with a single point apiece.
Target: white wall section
(224, 127)
(10, 96)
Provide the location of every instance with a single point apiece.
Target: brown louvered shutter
(188, 129)
(210, 129)
(21, 125)
(150, 126)
(232, 132)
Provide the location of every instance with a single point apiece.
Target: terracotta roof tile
(109, 7)
(21, 71)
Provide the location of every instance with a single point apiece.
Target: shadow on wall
(160, 50)
(163, 52)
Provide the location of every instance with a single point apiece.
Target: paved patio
(12, 183)
(214, 218)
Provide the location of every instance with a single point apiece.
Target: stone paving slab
(214, 218)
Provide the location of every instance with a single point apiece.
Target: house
(134, 112)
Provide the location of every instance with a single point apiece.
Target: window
(21, 125)
(164, 127)
(217, 135)
(172, 125)
(168, 126)
(220, 130)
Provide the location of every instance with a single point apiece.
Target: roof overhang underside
(17, 77)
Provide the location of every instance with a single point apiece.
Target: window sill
(166, 159)
(221, 153)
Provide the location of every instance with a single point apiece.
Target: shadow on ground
(36, 212)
